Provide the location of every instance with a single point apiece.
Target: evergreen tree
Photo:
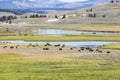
(56, 16)
(64, 16)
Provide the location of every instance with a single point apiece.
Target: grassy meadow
(112, 46)
(30, 67)
(64, 38)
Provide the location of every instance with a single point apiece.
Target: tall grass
(16, 67)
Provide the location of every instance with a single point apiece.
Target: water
(73, 44)
(67, 32)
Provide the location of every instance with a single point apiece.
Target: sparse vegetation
(7, 19)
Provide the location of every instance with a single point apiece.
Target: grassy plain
(112, 46)
(56, 67)
(81, 27)
(64, 38)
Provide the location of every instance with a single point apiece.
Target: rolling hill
(100, 14)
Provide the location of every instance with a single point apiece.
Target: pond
(73, 44)
(68, 32)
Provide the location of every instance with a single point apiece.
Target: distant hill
(98, 14)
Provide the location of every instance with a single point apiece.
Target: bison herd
(59, 47)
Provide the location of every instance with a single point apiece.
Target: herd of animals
(59, 46)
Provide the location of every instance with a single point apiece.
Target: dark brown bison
(5, 46)
(45, 48)
(60, 49)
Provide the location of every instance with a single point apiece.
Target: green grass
(15, 67)
(112, 46)
(64, 38)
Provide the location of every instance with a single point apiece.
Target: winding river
(68, 32)
(73, 44)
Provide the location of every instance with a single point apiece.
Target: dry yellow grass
(112, 46)
(81, 27)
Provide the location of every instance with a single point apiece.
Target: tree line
(7, 19)
(38, 16)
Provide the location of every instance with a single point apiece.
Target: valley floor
(57, 67)
(31, 63)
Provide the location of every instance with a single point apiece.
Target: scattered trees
(7, 19)
(37, 16)
(64, 16)
(89, 10)
(56, 16)
(92, 15)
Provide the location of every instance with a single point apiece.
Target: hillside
(45, 6)
(99, 14)
(6, 14)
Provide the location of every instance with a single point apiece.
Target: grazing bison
(79, 50)
(91, 50)
(25, 34)
(97, 49)
(33, 45)
(60, 49)
(11, 47)
(100, 51)
(57, 45)
(82, 49)
(108, 51)
(5, 46)
(47, 44)
(71, 48)
(45, 48)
